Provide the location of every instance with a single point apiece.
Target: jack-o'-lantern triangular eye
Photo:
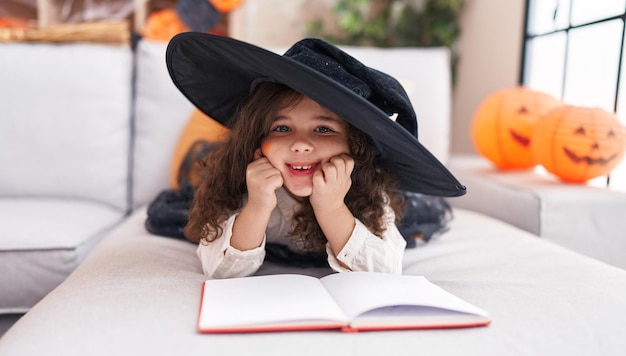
(523, 110)
(580, 131)
(611, 134)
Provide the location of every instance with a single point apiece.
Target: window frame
(529, 36)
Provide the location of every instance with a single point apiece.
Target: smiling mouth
(519, 138)
(586, 159)
(302, 169)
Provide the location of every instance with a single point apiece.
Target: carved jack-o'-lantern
(502, 125)
(579, 143)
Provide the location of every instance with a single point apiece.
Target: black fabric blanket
(425, 218)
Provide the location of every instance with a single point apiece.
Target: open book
(348, 301)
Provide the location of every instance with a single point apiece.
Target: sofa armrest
(587, 219)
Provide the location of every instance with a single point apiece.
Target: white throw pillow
(161, 112)
(65, 121)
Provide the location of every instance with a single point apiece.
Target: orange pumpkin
(225, 5)
(579, 143)
(13, 22)
(503, 122)
(199, 128)
(162, 25)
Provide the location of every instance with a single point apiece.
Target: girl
(312, 162)
(295, 173)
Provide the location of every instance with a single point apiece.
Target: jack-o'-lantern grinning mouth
(586, 159)
(522, 140)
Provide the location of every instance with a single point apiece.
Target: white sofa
(83, 151)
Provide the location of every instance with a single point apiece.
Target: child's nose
(301, 144)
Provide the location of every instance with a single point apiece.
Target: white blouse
(364, 251)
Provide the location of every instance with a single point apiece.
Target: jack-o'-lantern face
(503, 124)
(577, 143)
(520, 133)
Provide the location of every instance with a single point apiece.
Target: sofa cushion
(139, 294)
(161, 112)
(42, 241)
(65, 127)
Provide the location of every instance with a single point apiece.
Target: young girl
(295, 173)
(312, 158)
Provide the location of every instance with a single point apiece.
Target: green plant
(394, 23)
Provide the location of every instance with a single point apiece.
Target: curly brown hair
(222, 188)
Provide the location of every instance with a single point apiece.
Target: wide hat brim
(216, 73)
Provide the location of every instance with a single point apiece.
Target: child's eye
(323, 129)
(281, 128)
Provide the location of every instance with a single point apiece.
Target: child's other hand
(262, 180)
(332, 182)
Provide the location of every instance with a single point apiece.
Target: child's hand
(262, 180)
(332, 182)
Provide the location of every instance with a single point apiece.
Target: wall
(276, 22)
(490, 46)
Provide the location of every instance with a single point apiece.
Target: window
(574, 50)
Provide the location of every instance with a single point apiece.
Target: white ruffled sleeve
(365, 251)
(220, 260)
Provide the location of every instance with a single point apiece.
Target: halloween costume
(199, 65)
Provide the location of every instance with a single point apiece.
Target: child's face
(301, 138)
